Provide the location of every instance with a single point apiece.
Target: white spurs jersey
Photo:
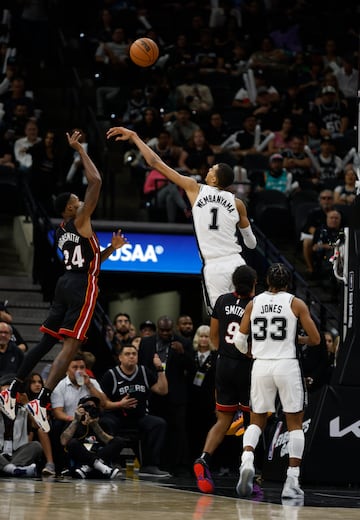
(273, 326)
(215, 217)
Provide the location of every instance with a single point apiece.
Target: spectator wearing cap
(11, 356)
(147, 328)
(276, 177)
(331, 114)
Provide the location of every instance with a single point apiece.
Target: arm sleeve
(241, 342)
(249, 237)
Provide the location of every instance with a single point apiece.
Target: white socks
(247, 455)
(103, 468)
(293, 471)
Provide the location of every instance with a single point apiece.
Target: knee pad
(251, 436)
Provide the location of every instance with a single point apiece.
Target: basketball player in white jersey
(272, 317)
(216, 215)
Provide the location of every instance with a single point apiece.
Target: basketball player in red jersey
(75, 293)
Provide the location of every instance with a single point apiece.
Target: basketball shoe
(203, 476)
(39, 414)
(83, 471)
(292, 488)
(7, 404)
(244, 486)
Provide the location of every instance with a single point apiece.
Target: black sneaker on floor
(153, 471)
(83, 471)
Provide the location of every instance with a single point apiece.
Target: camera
(91, 410)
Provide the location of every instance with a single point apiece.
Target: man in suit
(176, 355)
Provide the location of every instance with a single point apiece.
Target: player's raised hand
(118, 239)
(73, 139)
(120, 133)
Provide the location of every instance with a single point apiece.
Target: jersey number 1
(213, 224)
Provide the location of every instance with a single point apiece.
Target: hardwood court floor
(175, 499)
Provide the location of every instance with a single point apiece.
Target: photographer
(91, 449)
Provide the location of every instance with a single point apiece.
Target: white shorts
(269, 376)
(217, 277)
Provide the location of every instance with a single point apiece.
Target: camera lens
(91, 410)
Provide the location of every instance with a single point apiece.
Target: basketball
(144, 52)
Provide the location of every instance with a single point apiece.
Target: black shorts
(73, 306)
(232, 382)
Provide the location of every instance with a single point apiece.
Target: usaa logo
(136, 253)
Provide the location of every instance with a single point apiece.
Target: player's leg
(37, 407)
(262, 396)
(250, 441)
(227, 400)
(292, 394)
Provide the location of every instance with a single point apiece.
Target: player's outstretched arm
(153, 160)
(93, 189)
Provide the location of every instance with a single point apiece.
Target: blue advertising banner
(152, 253)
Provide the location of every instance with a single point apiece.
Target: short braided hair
(278, 276)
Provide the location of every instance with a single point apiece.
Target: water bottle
(79, 377)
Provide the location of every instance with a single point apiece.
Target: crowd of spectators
(273, 82)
